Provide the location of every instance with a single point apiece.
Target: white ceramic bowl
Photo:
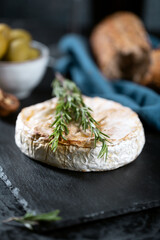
(21, 78)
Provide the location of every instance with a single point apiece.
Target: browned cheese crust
(112, 117)
(78, 153)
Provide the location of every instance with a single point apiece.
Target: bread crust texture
(121, 46)
(78, 152)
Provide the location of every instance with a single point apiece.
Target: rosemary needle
(29, 219)
(71, 107)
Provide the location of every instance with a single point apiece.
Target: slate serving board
(81, 196)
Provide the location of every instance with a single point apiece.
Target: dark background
(48, 20)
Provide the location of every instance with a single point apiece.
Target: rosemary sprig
(30, 219)
(71, 107)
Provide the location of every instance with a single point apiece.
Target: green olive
(4, 38)
(17, 51)
(5, 30)
(20, 34)
(3, 45)
(33, 53)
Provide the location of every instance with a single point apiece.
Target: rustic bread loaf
(121, 47)
(152, 77)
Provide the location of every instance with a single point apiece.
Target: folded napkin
(78, 62)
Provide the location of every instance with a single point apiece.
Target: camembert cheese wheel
(78, 152)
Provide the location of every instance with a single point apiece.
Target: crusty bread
(121, 47)
(78, 152)
(152, 77)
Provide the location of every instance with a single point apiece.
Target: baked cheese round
(33, 128)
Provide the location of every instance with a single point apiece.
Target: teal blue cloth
(79, 63)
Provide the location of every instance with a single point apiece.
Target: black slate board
(82, 196)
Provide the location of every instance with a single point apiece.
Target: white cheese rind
(78, 158)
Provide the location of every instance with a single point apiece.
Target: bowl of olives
(22, 61)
